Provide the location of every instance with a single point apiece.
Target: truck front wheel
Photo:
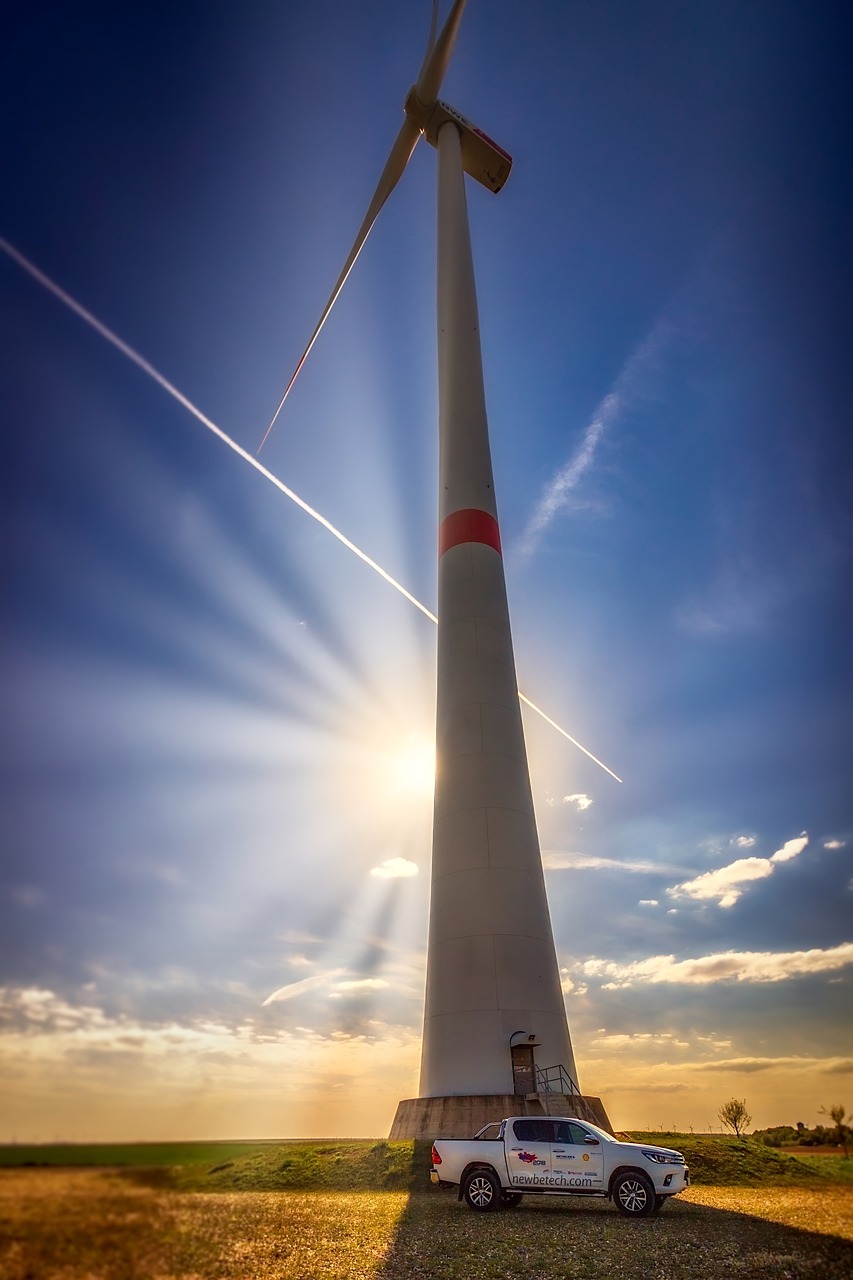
(634, 1194)
(482, 1190)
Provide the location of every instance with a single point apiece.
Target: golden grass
(98, 1224)
(828, 1211)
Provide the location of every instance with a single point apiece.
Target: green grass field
(724, 1161)
(108, 1155)
(371, 1165)
(346, 1165)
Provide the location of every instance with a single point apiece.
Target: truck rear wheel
(482, 1190)
(634, 1194)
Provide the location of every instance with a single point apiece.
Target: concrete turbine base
(463, 1115)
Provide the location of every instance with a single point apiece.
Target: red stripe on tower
(468, 525)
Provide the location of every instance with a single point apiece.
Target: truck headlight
(664, 1157)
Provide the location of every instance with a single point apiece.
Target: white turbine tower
(496, 1038)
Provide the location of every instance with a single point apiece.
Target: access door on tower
(523, 1069)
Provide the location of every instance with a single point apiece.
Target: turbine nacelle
(482, 158)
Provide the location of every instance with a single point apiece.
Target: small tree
(734, 1115)
(836, 1114)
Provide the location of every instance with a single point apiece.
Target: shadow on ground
(550, 1239)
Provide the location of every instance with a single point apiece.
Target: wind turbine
(495, 1021)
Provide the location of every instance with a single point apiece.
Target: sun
(412, 767)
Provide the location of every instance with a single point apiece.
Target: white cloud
(725, 885)
(579, 800)
(395, 869)
(743, 842)
(648, 902)
(569, 987)
(727, 966)
(834, 844)
(790, 849)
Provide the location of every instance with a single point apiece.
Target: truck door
(528, 1151)
(577, 1155)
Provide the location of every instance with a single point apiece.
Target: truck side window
(534, 1130)
(570, 1134)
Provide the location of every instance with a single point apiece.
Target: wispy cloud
(591, 862)
(726, 884)
(642, 1039)
(294, 989)
(727, 966)
(832, 1066)
(559, 493)
(35, 1008)
(362, 984)
(86, 1074)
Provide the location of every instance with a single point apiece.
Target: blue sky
(216, 811)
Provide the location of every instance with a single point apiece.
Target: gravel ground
(101, 1225)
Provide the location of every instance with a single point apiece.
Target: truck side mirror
(590, 1141)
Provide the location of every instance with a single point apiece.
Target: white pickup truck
(532, 1155)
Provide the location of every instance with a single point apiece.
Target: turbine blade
(401, 152)
(438, 59)
(433, 27)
